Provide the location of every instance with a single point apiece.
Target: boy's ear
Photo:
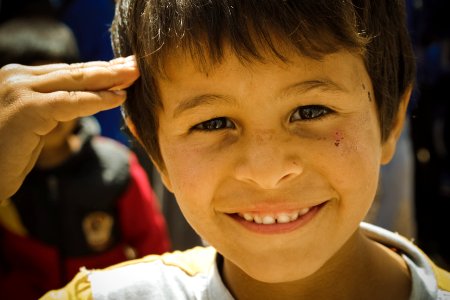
(161, 169)
(389, 145)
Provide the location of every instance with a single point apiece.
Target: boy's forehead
(203, 61)
(181, 66)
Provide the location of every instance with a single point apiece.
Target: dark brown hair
(152, 29)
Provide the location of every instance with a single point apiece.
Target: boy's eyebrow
(299, 87)
(306, 86)
(200, 100)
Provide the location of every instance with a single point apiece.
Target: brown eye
(214, 124)
(309, 112)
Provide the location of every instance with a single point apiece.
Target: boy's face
(293, 145)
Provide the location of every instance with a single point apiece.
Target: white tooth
(303, 211)
(248, 217)
(268, 220)
(283, 218)
(258, 219)
(294, 216)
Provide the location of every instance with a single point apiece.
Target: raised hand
(33, 99)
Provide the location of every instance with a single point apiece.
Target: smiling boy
(269, 121)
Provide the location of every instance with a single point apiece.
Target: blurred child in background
(86, 202)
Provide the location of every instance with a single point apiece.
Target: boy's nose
(268, 161)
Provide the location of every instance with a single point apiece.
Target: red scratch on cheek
(338, 137)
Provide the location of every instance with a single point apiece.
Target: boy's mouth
(272, 218)
(277, 221)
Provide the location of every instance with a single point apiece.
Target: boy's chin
(282, 272)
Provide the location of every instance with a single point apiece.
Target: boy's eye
(309, 112)
(214, 124)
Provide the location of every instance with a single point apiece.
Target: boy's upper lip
(274, 206)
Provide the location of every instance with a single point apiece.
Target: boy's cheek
(186, 166)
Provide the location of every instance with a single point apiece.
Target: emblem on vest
(97, 228)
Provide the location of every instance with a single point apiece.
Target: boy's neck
(55, 156)
(362, 269)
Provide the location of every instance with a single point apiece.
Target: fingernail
(130, 61)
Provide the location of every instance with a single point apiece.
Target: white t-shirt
(194, 274)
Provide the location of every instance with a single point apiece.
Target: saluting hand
(33, 99)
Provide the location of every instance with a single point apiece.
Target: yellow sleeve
(77, 289)
(190, 261)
